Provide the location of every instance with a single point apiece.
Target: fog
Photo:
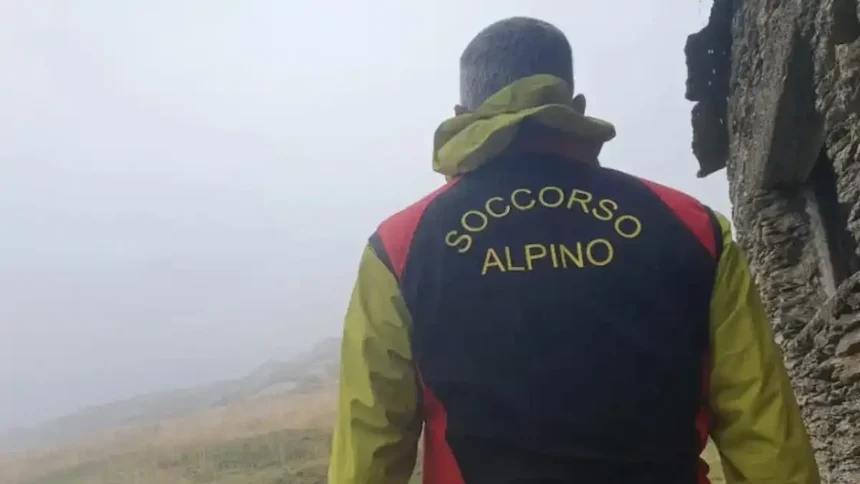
(186, 186)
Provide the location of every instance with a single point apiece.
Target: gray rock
(782, 82)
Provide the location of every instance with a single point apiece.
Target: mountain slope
(273, 429)
(316, 368)
(249, 442)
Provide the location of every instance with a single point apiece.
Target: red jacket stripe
(440, 465)
(692, 213)
(397, 231)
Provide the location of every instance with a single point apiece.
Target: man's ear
(578, 103)
(459, 110)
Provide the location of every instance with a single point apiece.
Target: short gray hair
(509, 50)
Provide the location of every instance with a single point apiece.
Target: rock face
(777, 92)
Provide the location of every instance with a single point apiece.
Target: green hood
(463, 143)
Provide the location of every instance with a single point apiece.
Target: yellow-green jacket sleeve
(756, 423)
(378, 423)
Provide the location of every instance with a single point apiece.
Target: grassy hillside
(316, 368)
(282, 441)
(272, 429)
(257, 441)
(282, 457)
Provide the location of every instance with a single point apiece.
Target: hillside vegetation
(283, 437)
(269, 433)
(318, 367)
(286, 456)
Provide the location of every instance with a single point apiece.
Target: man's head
(509, 50)
(513, 49)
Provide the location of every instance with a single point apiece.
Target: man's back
(559, 321)
(546, 320)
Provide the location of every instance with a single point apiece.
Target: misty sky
(186, 186)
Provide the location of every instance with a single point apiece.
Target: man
(547, 320)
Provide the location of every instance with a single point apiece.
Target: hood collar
(464, 143)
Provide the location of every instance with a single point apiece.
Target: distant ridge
(318, 367)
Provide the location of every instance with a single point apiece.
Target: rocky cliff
(777, 92)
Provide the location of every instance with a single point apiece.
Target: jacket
(543, 320)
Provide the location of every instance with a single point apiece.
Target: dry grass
(170, 439)
(713, 458)
(287, 456)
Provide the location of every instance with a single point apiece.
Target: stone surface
(788, 90)
(708, 64)
(828, 384)
(849, 345)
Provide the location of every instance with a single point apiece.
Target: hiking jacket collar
(464, 143)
